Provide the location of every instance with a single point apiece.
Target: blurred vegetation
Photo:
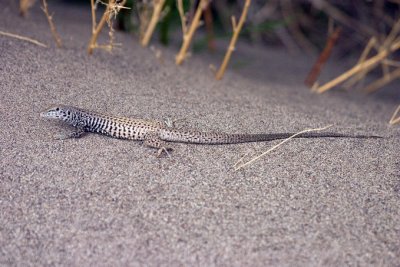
(369, 29)
(300, 26)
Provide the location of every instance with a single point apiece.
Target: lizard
(157, 134)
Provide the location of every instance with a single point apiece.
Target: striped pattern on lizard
(156, 134)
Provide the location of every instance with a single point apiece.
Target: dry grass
(182, 15)
(236, 30)
(240, 165)
(51, 23)
(384, 50)
(112, 9)
(157, 8)
(345, 19)
(19, 37)
(361, 75)
(144, 13)
(364, 66)
(396, 116)
(188, 34)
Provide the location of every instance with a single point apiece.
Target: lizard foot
(152, 140)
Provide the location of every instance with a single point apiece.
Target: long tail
(245, 138)
(197, 137)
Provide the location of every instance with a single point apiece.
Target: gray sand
(106, 202)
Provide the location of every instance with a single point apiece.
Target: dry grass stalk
(392, 35)
(387, 78)
(24, 6)
(157, 8)
(188, 35)
(371, 43)
(208, 18)
(51, 23)
(236, 167)
(288, 11)
(395, 120)
(392, 63)
(144, 17)
(93, 9)
(96, 28)
(231, 48)
(112, 9)
(323, 58)
(364, 66)
(19, 37)
(340, 16)
(182, 15)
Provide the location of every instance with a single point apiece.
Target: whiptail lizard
(156, 134)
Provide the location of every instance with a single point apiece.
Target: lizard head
(60, 112)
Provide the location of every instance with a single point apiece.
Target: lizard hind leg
(153, 140)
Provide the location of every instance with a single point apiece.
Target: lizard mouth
(46, 115)
(43, 114)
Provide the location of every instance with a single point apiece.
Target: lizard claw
(60, 136)
(164, 149)
(170, 123)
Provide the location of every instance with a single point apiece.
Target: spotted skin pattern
(155, 133)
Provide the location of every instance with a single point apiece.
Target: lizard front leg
(153, 140)
(170, 123)
(78, 132)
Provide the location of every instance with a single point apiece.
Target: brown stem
(95, 34)
(323, 57)
(158, 5)
(187, 37)
(231, 48)
(209, 28)
(51, 23)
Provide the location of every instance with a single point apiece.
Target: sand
(105, 202)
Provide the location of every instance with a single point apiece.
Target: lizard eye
(57, 109)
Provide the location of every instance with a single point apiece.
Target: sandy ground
(106, 202)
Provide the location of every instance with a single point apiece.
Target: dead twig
(97, 27)
(23, 38)
(323, 58)
(51, 23)
(188, 35)
(395, 120)
(236, 167)
(231, 48)
(157, 8)
(112, 9)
